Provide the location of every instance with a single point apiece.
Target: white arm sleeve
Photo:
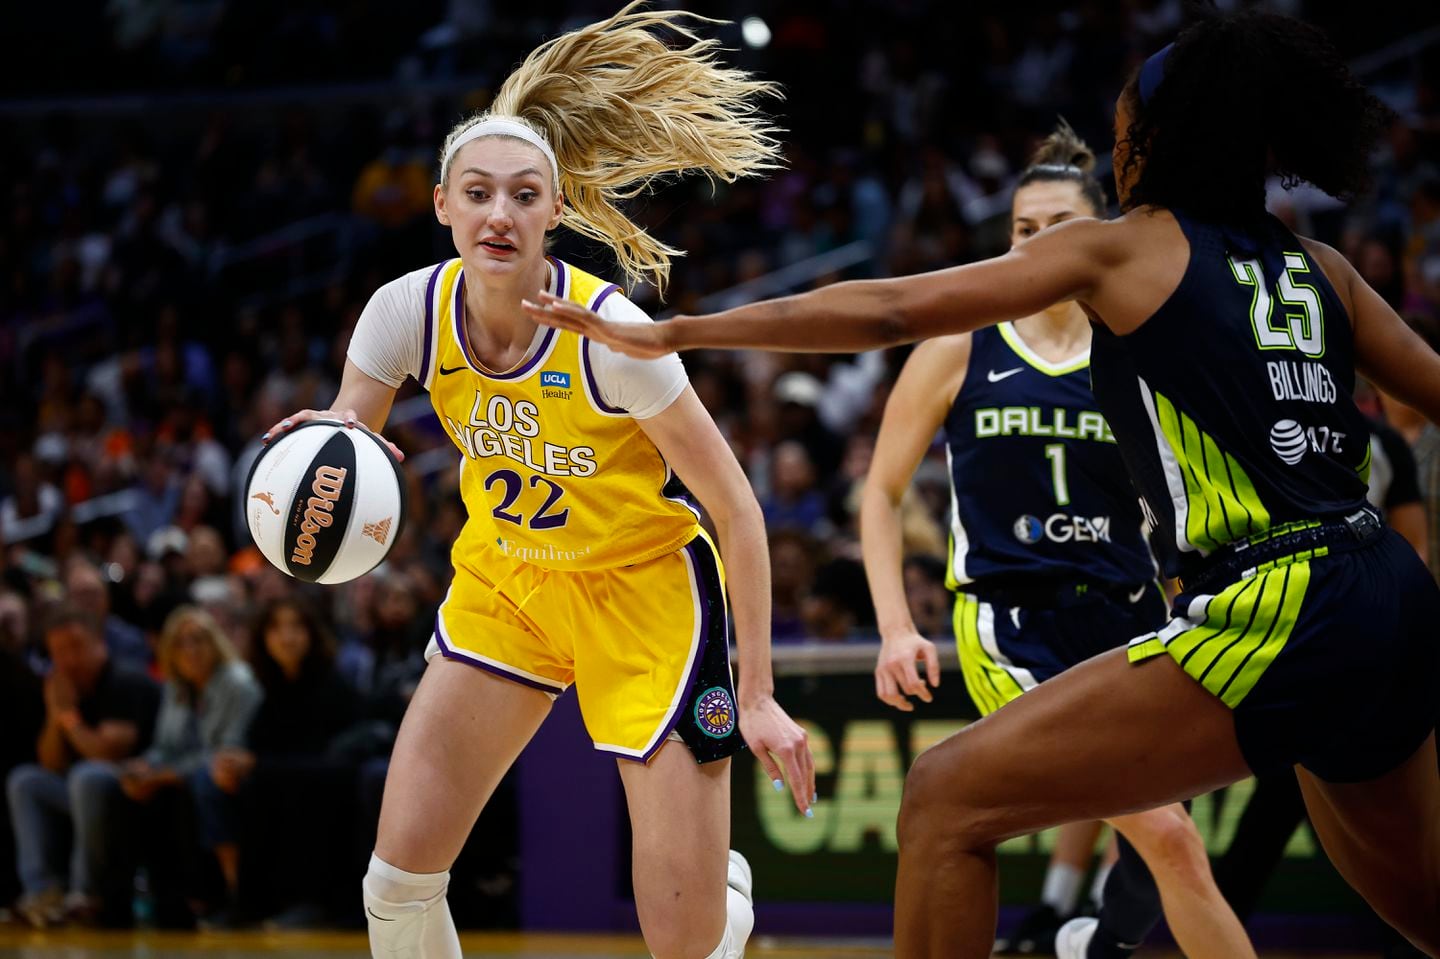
(390, 334)
(642, 388)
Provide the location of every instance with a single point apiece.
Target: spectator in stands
(22, 711)
(839, 607)
(279, 792)
(794, 501)
(33, 506)
(208, 701)
(86, 586)
(792, 571)
(931, 604)
(97, 712)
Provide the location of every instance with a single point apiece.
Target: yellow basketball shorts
(646, 646)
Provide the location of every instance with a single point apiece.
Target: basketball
(325, 503)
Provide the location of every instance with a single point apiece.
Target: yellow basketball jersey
(550, 474)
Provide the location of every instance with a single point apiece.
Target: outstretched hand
(347, 417)
(642, 340)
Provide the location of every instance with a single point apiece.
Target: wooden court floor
(67, 944)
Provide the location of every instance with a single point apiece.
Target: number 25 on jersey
(1303, 324)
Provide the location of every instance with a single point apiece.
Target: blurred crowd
(178, 271)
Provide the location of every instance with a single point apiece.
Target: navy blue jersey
(1038, 488)
(1232, 403)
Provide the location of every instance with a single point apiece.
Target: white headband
(494, 126)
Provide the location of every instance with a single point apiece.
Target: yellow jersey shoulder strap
(439, 300)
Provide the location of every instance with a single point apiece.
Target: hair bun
(1064, 148)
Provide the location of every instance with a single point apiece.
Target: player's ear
(440, 212)
(558, 212)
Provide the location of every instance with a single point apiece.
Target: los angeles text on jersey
(1034, 421)
(511, 430)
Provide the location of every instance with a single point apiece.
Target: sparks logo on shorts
(554, 378)
(715, 712)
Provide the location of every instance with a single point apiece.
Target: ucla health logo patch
(715, 712)
(555, 378)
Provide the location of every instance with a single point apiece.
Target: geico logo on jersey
(1063, 528)
(501, 427)
(1033, 421)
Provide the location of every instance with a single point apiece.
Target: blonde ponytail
(622, 108)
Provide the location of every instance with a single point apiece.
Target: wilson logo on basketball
(377, 531)
(329, 481)
(269, 500)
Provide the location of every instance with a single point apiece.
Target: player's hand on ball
(896, 677)
(782, 748)
(347, 417)
(643, 340)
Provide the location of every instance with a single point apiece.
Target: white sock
(1062, 888)
(1097, 888)
(407, 913)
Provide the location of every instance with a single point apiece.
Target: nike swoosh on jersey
(373, 916)
(994, 377)
(444, 371)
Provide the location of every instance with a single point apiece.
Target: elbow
(738, 511)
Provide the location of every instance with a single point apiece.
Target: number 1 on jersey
(1055, 453)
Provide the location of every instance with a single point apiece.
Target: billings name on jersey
(511, 429)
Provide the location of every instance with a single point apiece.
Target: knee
(682, 912)
(938, 809)
(23, 781)
(90, 782)
(1169, 843)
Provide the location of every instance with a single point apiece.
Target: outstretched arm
(1063, 263)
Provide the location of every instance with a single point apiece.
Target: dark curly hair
(1245, 96)
(1063, 157)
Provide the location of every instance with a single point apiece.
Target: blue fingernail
(779, 785)
(809, 814)
(265, 437)
(284, 422)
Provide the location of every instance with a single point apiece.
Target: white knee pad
(407, 914)
(739, 908)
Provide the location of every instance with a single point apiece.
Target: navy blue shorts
(1330, 663)
(1007, 650)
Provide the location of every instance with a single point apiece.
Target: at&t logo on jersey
(1062, 528)
(1290, 441)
